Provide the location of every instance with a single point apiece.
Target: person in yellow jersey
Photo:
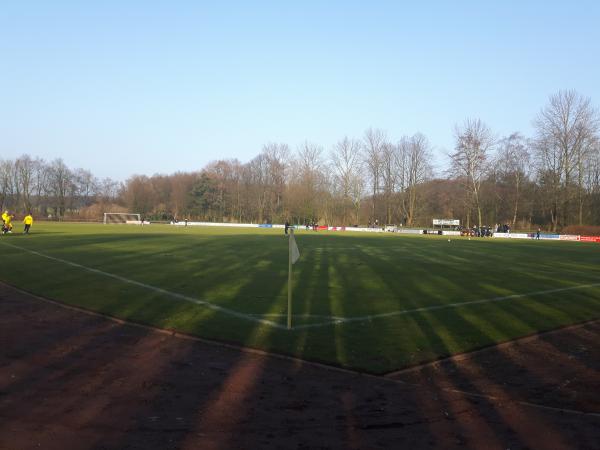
(4, 217)
(28, 221)
(7, 228)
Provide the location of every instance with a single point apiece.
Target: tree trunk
(514, 221)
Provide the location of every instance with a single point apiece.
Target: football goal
(122, 218)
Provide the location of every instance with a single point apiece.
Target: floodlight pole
(289, 308)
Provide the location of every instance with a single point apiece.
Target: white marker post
(293, 255)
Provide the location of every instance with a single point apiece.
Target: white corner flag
(294, 252)
(293, 256)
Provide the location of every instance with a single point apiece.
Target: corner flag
(293, 256)
(294, 252)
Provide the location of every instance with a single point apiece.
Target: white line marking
(334, 320)
(303, 316)
(156, 289)
(344, 320)
(333, 248)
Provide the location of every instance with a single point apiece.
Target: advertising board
(446, 222)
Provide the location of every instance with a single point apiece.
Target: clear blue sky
(149, 87)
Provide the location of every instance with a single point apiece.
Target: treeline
(550, 179)
(51, 189)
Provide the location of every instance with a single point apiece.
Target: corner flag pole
(289, 309)
(293, 256)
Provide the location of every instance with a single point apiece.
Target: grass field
(374, 302)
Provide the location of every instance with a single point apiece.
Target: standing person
(28, 221)
(537, 236)
(287, 225)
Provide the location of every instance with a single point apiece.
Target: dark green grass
(342, 275)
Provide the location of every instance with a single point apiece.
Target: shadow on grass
(337, 275)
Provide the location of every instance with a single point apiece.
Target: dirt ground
(71, 380)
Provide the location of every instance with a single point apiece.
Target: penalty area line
(345, 320)
(165, 292)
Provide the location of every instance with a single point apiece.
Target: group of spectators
(476, 231)
(485, 231)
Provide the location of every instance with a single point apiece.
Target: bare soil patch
(78, 381)
(557, 369)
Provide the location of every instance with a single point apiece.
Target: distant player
(287, 226)
(28, 221)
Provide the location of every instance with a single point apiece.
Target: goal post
(122, 218)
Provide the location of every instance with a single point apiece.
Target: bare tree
(108, 190)
(220, 173)
(15, 179)
(138, 194)
(474, 141)
(182, 184)
(41, 185)
(415, 154)
(566, 131)
(237, 190)
(389, 177)
(86, 188)
(278, 158)
(592, 182)
(357, 192)
(513, 164)
(257, 185)
(60, 179)
(7, 187)
(309, 177)
(374, 141)
(345, 164)
(26, 167)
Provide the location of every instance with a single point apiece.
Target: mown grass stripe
(175, 295)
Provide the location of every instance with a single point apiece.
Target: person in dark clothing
(537, 235)
(287, 225)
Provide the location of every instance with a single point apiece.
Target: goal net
(122, 218)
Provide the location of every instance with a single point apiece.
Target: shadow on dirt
(70, 380)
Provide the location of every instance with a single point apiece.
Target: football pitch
(371, 302)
